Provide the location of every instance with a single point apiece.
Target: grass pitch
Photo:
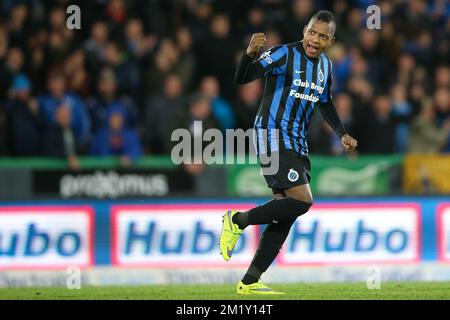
(304, 291)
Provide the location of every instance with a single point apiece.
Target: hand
(349, 143)
(74, 163)
(125, 161)
(33, 106)
(257, 42)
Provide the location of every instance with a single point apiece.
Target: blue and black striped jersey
(294, 84)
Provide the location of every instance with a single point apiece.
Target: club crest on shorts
(292, 175)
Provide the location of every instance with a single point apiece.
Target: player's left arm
(329, 113)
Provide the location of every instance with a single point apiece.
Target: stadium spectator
(199, 109)
(247, 104)
(108, 102)
(58, 97)
(378, 136)
(16, 25)
(216, 54)
(297, 17)
(425, 136)
(341, 66)
(9, 69)
(403, 111)
(187, 60)
(165, 62)
(159, 110)
(117, 140)
(95, 46)
(76, 74)
(441, 101)
(138, 44)
(221, 108)
(125, 68)
(24, 119)
(59, 138)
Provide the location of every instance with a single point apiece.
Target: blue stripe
(277, 55)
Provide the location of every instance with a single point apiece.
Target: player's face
(317, 37)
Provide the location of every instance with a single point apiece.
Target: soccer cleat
(229, 235)
(255, 288)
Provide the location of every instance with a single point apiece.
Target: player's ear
(304, 29)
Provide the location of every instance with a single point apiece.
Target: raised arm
(250, 69)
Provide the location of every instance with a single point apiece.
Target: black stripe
(302, 124)
(285, 94)
(297, 102)
(266, 102)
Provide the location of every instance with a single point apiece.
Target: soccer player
(298, 77)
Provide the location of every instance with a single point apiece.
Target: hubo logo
(44, 237)
(180, 235)
(292, 175)
(354, 234)
(74, 20)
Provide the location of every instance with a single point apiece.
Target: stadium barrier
(175, 241)
(103, 178)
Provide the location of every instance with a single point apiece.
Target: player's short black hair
(325, 16)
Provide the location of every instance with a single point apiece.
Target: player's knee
(300, 207)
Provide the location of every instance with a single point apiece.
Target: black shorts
(294, 170)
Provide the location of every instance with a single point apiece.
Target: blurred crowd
(138, 69)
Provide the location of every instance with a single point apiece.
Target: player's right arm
(249, 69)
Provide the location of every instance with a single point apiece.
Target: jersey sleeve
(328, 109)
(272, 59)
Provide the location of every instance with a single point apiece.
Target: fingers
(257, 42)
(349, 143)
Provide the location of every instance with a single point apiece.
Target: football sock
(252, 275)
(281, 209)
(241, 219)
(269, 246)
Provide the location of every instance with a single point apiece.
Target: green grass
(306, 291)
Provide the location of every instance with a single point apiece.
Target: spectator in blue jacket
(25, 122)
(117, 140)
(58, 97)
(221, 108)
(107, 102)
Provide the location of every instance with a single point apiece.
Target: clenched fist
(349, 143)
(257, 42)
